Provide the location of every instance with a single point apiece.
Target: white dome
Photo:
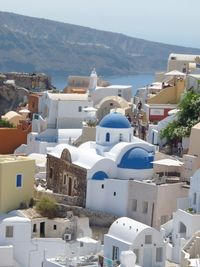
(126, 229)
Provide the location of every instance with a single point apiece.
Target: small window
(148, 239)
(159, 254)
(18, 180)
(102, 186)
(9, 231)
(64, 179)
(114, 194)
(107, 137)
(115, 254)
(51, 172)
(136, 251)
(120, 137)
(79, 109)
(134, 204)
(145, 207)
(54, 227)
(173, 58)
(111, 104)
(34, 228)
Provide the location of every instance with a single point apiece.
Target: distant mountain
(39, 45)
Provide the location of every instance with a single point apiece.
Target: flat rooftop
(13, 158)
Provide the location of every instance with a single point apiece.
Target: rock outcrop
(15, 88)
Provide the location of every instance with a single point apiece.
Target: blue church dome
(115, 120)
(136, 158)
(100, 175)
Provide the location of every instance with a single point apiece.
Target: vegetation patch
(187, 117)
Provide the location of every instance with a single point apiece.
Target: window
(159, 254)
(64, 179)
(34, 228)
(120, 92)
(79, 109)
(114, 194)
(54, 227)
(182, 228)
(107, 137)
(111, 104)
(36, 116)
(51, 172)
(102, 186)
(136, 251)
(18, 180)
(120, 137)
(145, 207)
(115, 254)
(134, 204)
(148, 239)
(9, 231)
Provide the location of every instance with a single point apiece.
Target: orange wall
(11, 138)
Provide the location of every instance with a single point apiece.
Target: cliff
(39, 45)
(15, 88)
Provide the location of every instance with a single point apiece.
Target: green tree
(187, 117)
(47, 207)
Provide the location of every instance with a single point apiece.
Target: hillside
(39, 45)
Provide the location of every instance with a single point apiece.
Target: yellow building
(16, 181)
(169, 95)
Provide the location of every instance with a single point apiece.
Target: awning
(168, 162)
(175, 73)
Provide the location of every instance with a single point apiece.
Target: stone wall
(67, 179)
(96, 218)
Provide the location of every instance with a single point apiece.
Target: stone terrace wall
(96, 218)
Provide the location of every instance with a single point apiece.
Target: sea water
(137, 81)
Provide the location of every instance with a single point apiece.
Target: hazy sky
(167, 21)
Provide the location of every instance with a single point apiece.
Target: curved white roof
(82, 156)
(87, 159)
(17, 219)
(126, 229)
(57, 151)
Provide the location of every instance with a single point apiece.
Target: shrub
(5, 124)
(47, 207)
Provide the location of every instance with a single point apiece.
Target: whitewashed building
(19, 246)
(127, 234)
(185, 222)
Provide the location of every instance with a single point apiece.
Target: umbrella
(175, 73)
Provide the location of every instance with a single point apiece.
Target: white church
(111, 162)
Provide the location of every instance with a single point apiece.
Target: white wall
(127, 135)
(100, 93)
(147, 252)
(112, 198)
(6, 256)
(69, 115)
